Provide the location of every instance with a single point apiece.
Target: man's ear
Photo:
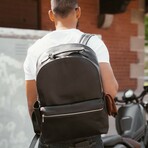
(51, 15)
(78, 13)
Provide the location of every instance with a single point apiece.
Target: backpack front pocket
(65, 122)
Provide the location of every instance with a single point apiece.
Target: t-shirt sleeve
(99, 48)
(29, 69)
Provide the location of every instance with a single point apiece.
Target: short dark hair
(63, 7)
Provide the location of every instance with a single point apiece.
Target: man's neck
(65, 25)
(64, 28)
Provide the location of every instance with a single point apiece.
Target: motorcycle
(131, 123)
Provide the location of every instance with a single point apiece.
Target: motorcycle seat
(113, 140)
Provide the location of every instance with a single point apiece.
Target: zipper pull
(43, 118)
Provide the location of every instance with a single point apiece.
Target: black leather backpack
(71, 100)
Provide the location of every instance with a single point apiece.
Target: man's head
(63, 7)
(64, 11)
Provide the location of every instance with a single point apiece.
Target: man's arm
(31, 93)
(110, 84)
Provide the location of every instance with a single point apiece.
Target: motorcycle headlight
(129, 93)
(128, 96)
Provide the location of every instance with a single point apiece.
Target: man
(65, 14)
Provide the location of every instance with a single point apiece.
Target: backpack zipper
(69, 114)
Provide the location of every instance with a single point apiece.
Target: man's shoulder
(95, 40)
(34, 46)
(38, 44)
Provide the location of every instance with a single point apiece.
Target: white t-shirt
(58, 37)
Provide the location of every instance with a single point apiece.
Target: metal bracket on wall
(105, 20)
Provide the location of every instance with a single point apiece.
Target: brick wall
(117, 37)
(19, 14)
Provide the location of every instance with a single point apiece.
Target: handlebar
(143, 93)
(119, 101)
(139, 99)
(134, 97)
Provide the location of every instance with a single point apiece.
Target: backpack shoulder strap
(34, 141)
(85, 38)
